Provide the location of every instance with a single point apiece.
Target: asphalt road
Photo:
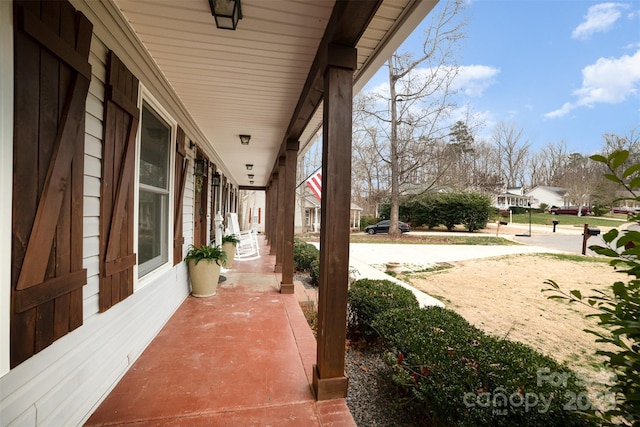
(566, 239)
(562, 242)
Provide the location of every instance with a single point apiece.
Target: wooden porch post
(329, 380)
(266, 212)
(280, 214)
(289, 195)
(273, 214)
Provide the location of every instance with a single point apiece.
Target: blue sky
(559, 70)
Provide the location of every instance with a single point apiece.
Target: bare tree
(370, 177)
(486, 166)
(512, 152)
(581, 178)
(411, 116)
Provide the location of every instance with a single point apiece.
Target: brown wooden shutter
(117, 254)
(182, 165)
(51, 82)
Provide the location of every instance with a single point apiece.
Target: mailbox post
(588, 232)
(555, 222)
(499, 224)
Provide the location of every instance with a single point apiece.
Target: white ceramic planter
(204, 278)
(230, 249)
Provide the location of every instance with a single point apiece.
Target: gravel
(369, 399)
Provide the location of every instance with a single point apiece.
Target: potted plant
(204, 269)
(229, 242)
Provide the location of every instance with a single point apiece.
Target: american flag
(315, 184)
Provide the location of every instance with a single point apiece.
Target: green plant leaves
(206, 252)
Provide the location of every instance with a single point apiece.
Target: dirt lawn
(503, 297)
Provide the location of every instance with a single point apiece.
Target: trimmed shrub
(518, 210)
(314, 272)
(473, 210)
(454, 374)
(368, 298)
(304, 254)
(476, 209)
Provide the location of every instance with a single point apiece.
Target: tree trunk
(395, 187)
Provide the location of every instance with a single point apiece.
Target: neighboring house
(252, 210)
(312, 216)
(125, 127)
(511, 196)
(626, 200)
(551, 196)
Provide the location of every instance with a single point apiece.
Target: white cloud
(473, 80)
(609, 80)
(599, 18)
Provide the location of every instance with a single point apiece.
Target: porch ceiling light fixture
(227, 13)
(251, 182)
(250, 176)
(216, 179)
(244, 139)
(249, 166)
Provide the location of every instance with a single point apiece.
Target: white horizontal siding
(65, 382)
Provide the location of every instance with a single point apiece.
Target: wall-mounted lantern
(201, 167)
(216, 180)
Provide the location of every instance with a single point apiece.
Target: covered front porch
(242, 357)
(129, 130)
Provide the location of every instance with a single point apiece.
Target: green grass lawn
(547, 219)
(473, 239)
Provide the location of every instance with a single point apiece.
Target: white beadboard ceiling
(249, 81)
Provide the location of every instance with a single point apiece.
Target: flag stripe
(315, 184)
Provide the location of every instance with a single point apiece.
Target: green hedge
(368, 298)
(455, 374)
(314, 272)
(304, 254)
(470, 209)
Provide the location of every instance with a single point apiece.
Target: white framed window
(154, 185)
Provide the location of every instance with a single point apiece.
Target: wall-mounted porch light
(201, 167)
(244, 139)
(249, 167)
(216, 179)
(226, 13)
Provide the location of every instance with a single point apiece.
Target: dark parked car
(383, 227)
(570, 210)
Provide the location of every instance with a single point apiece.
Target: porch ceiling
(249, 81)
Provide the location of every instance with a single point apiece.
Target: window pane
(154, 149)
(153, 205)
(151, 230)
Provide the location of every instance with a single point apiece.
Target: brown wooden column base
(286, 288)
(329, 388)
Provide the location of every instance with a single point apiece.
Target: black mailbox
(503, 223)
(555, 222)
(592, 231)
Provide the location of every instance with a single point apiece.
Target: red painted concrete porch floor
(240, 358)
